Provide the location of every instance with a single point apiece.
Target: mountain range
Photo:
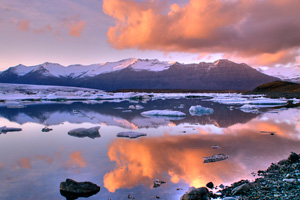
(141, 74)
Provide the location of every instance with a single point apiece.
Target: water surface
(33, 163)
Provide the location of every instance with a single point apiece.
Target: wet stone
(196, 194)
(210, 185)
(73, 190)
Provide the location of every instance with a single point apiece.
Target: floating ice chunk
(131, 134)
(126, 111)
(268, 102)
(164, 114)
(137, 107)
(215, 158)
(181, 106)
(199, 110)
(85, 132)
(131, 107)
(249, 109)
(5, 129)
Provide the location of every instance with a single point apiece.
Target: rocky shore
(280, 181)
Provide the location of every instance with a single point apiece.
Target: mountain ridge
(135, 73)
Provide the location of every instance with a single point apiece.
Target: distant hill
(279, 89)
(141, 74)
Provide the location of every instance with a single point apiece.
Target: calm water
(33, 163)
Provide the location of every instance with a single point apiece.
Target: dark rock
(215, 158)
(284, 162)
(85, 132)
(196, 194)
(130, 197)
(242, 189)
(46, 129)
(73, 190)
(293, 157)
(157, 183)
(5, 129)
(210, 185)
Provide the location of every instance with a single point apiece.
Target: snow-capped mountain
(141, 74)
(291, 74)
(80, 71)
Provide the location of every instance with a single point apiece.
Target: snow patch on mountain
(151, 65)
(284, 73)
(76, 71)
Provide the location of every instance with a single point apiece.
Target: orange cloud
(24, 25)
(126, 123)
(181, 156)
(242, 28)
(76, 160)
(77, 28)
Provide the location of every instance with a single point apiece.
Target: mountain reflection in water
(113, 113)
(33, 162)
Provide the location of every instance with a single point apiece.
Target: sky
(256, 32)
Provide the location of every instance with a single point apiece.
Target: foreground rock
(196, 194)
(131, 134)
(5, 129)
(85, 132)
(73, 190)
(279, 181)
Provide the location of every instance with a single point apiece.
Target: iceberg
(164, 114)
(131, 134)
(268, 102)
(247, 108)
(199, 110)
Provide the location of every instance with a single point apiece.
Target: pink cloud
(45, 29)
(77, 28)
(244, 29)
(24, 25)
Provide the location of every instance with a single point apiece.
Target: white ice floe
(136, 107)
(199, 110)
(164, 114)
(268, 102)
(249, 108)
(131, 134)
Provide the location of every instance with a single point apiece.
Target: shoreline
(279, 181)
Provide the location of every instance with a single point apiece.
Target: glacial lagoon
(33, 163)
